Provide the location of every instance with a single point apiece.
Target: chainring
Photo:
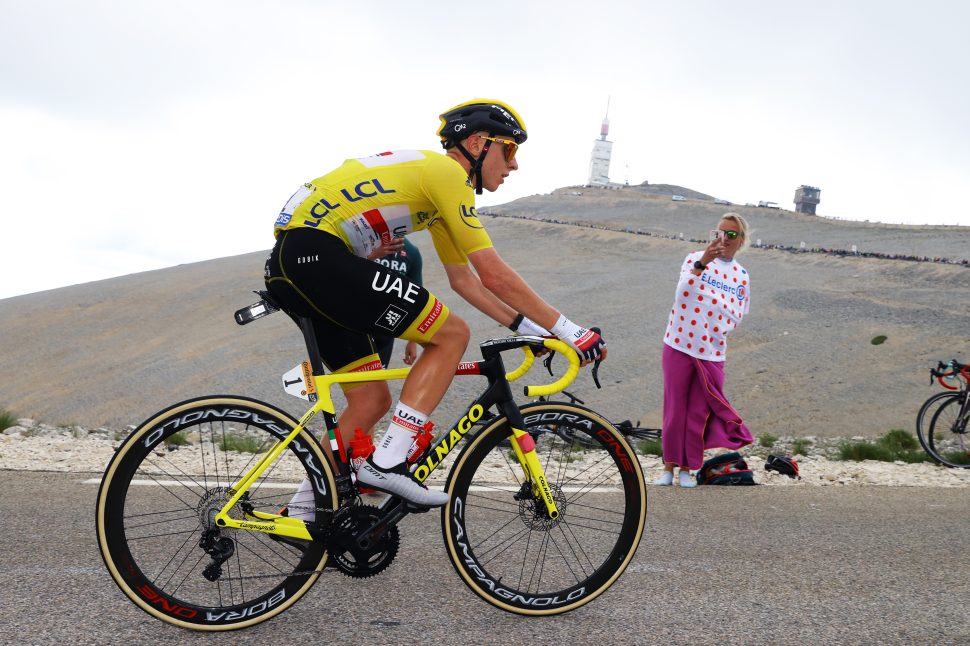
(348, 556)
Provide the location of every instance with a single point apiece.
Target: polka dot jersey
(707, 307)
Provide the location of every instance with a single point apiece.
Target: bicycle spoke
(512, 552)
(157, 510)
(945, 435)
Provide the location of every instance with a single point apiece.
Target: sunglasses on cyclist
(510, 146)
(731, 235)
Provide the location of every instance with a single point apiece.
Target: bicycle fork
(524, 447)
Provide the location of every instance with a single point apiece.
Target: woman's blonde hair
(742, 228)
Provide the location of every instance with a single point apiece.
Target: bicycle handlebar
(548, 389)
(594, 372)
(951, 370)
(568, 378)
(530, 358)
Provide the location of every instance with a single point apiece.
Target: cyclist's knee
(454, 333)
(370, 402)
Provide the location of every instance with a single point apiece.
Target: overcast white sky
(142, 134)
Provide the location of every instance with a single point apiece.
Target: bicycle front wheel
(947, 441)
(160, 492)
(499, 535)
(925, 416)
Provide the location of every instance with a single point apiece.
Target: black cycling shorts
(385, 348)
(350, 299)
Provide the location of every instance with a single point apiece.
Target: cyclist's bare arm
(507, 286)
(466, 284)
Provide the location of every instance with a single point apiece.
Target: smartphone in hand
(715, 235)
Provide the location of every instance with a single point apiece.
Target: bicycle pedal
(410, 507)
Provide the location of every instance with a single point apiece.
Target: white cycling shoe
(398, 481)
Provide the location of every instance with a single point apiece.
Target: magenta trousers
(697, 415)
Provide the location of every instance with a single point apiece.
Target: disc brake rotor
(533, 511)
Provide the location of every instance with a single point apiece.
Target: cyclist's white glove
(587, 342)
(525, 326)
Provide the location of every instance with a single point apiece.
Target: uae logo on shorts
(391, 318)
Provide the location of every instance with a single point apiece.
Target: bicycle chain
(353, 515)
(316, 510)
(276, 576)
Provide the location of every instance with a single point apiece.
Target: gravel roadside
(38, 447)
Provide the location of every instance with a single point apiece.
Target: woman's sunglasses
(731, 235)
(510, 146)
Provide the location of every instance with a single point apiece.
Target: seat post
(316, 367)
(310, 338)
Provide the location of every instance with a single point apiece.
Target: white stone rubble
(30, 446)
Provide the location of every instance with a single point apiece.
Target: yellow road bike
(192, 527)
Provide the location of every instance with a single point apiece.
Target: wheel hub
(213, 501)
(533, 511)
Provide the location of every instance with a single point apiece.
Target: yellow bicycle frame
(523, 446)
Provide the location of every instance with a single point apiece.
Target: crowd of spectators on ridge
(756, 244)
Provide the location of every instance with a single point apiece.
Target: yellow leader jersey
(370, 200)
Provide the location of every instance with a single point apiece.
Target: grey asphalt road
(748, 565)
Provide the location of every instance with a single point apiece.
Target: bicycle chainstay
(341, 531)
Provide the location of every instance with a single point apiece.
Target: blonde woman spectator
(713, 295)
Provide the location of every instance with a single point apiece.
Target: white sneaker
(398, 481)
(665, 480)
(687, 480)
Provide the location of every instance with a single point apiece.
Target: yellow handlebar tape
(524, 368)
(573, 370)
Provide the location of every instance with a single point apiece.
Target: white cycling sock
(393, 447)
(302, 505)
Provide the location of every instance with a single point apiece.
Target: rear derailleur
(220, 548)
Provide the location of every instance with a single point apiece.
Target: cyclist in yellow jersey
(367, 201)
(319, 268)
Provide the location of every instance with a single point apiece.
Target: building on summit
(806, 199)
(599, 163)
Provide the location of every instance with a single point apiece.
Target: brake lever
(596, 364)
(547, 362)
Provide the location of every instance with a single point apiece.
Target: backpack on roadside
(783, 464)
(726, 469)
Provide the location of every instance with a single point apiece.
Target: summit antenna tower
(599, 163)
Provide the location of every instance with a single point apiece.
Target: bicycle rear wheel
(947, 441)
(160, 491)
(499, 536)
